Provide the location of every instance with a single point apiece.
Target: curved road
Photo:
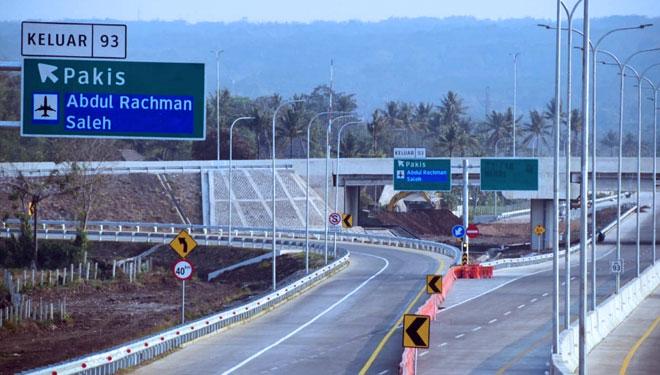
(504, 325)
(331, 329)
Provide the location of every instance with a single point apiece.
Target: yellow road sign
(539, 230)
(433, 284)
(416, 331)
(32, 209)
(464, 260)
(347, 221)
(183, 244)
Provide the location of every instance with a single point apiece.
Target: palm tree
(576, 130)
(497, 127)
(375, 127)
(536, 129)
(630, 144)
(466, 141)
(291, 126)
(611, 142)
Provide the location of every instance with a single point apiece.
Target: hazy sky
(304, 10)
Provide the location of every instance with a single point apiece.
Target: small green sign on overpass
(422, 174)
(509, 174)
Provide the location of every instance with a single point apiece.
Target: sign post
(183, 270)
(113, 99)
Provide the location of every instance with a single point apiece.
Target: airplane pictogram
(45, 107)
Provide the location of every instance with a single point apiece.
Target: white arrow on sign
(46, 71)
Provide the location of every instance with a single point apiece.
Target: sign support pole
(183, 301)
(465, 203)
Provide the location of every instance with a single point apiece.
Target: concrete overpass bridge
(252, 180)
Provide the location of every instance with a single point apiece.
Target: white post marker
(183, 270)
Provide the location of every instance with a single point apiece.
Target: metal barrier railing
(133, 353)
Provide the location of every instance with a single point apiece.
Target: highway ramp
(333, 328)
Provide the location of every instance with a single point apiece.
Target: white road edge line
(276, 343)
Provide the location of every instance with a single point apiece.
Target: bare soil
(103, 314)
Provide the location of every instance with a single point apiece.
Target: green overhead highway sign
(113, 99)
(509, 174)
(422, 174)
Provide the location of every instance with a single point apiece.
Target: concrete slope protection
(332, 329)
(504, 325)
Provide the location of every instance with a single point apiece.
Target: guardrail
(214, 234)
(186, 166)
(133, 353)
(524, 261)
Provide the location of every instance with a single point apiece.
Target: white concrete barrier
(607, 316)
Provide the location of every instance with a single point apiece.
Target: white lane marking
(491, 290)
(476, 329)
(461, 335)
(545, 294)
(423, 353)
(572, 278)
(533, 300)
(383, 372)
(274, 368)
(443, 344)
(563, 283)
(507, 313)
(276, 343)
(521, 306)
(492, 321)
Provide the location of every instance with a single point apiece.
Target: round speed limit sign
(182, 269)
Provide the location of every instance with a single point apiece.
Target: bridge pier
(352, 202)
(541, 212)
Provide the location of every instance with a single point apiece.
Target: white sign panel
(409, 153)
(616, 266)
(58, 39)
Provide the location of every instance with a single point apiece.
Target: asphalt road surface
(334, 328)
(504, 325)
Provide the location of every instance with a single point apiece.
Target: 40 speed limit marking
(182, 269)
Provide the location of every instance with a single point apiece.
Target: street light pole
(515, 72)
(307, 194)
(555, 190)
(273, 209)
(231, 171)
(327, 163)
(569, 96)
(338, 149)
(217, 98)
(584, 160)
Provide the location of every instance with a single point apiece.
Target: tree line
(443, 128)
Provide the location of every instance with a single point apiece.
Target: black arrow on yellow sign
(347, 221)
(416, 331)
(433, 284)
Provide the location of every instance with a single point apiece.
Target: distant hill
(397, 59)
